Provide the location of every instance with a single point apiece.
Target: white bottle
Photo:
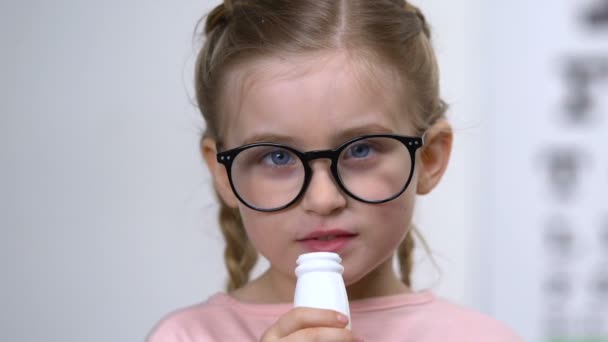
(320, 283)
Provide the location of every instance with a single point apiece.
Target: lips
(333, 240)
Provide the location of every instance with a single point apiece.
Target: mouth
(327, 241)
(327, 238)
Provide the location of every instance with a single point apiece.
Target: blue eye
(358, 151)
(278, 158)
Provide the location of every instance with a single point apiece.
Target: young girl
(324, 122)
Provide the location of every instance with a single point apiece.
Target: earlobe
(218, 172)
(434, 156)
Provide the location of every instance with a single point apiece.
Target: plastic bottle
(320, 283)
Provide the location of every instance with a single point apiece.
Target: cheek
(254, 224)
(396, 214)
(265, 230)
(385, 227)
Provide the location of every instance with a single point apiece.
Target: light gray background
(107, 217)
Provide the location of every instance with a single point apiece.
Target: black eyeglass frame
(411, 143)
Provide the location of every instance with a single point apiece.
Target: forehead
(312, 100)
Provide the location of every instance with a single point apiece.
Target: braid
(239, 254)
(405, 255)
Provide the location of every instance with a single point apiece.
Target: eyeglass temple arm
(424, 137)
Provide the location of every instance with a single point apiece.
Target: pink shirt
(419, 317)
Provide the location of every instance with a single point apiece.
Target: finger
(302, 318)
(323, 334)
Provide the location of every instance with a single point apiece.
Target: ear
(434, 156)
(218, 172)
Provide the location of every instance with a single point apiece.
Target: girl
(324, 122)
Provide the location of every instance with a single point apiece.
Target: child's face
(311, 104)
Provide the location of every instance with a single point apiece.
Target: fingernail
(358, 339)
(342, 318)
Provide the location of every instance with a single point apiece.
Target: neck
(382, 281)
(270, 288)
(274, 286)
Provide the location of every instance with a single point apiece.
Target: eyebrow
(271, 138)
(362, 130)
(336, 140)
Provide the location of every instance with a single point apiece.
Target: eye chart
(548, 179)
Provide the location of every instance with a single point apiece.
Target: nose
(323, 195)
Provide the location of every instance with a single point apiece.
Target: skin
(318, 102)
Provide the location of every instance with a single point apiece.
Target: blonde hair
(390, 31)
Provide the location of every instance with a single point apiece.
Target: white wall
(107, 219)
(549, 263)
(450, 217)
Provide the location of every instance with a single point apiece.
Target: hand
(308, 324)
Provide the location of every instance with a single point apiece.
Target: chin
(351, 278)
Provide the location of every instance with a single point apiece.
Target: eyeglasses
(371, 168)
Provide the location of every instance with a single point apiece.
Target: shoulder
(220, 318)
(205, 321)
(423, 317)
(464, 324)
